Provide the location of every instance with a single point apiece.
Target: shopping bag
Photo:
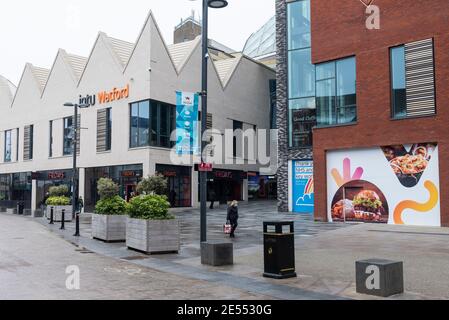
(227, 228)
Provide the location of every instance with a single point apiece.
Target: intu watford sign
(103, 97)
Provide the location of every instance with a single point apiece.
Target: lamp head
(217, 4)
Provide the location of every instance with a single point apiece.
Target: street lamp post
(216, 4)
(74, 168)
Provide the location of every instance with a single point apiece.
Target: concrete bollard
(216, 253)
(379, 277)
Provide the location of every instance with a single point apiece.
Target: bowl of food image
(409, 168)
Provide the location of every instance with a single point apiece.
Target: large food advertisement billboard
(390, 184)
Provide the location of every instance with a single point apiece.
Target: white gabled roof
(41, 75)
(226, 67)
(123, 49)
(77, 63)
(180, 52)
(8, 87)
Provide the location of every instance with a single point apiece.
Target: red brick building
(338, 31)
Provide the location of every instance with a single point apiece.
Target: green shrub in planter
(58, 201)
(111, 206)
(107, 188)
(156, 184)
(58, 191)
(149, 207)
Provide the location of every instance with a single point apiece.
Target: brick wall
(339, 31)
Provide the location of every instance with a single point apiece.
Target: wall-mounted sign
(56, 175)
(102, 97)
(130, 174)
(205, 167)
(303, 187)
(187, 123)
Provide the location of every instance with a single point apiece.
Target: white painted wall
(245, 98)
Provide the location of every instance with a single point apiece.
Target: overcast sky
(32, 31)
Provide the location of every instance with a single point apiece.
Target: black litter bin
(20, 207)
(279, 250)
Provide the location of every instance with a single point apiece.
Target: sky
(33, 31)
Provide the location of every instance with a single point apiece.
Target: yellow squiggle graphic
(420, 207)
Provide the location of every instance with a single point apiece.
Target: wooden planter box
(109, 228)
(57, 213)
(153, 236)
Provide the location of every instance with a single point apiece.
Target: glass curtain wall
(301, 75)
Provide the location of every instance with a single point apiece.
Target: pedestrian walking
(233, 217)
(212, 198)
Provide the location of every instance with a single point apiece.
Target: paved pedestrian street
(34, 257)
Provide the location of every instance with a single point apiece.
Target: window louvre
(28, 143)
(102, 130)
(420, 79)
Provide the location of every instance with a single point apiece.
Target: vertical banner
(187, 123)
(303, 189)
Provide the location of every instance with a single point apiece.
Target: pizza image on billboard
(360, 201)
(409, 166)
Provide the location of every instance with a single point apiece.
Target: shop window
(50, 140)
(68, 136)
(8, 145)
(336, 99)
(412, 80)
(237, 125)
(152, 123)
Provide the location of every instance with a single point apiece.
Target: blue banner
(303, 187)
(187, 124)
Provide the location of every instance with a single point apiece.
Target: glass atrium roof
(263, 41)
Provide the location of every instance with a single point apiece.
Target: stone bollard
(379, 277)
(216, 253)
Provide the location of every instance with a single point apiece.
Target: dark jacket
(233, 214)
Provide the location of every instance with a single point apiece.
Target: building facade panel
(375, 127)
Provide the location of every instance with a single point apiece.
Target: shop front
(397, 185)
(47, 179)
(15, 188)
(227, 185)
(127, 177)
(179, 181)
(261, 187)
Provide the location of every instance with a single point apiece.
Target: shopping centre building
(362, 115)
(125, 133)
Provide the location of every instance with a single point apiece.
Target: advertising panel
(390, 184)
(187, 124)
(303, 187)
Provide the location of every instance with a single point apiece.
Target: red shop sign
(56, 175)
(205, 167)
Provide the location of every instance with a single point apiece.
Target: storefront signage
(187, 125)
(391, 184)
(205, 167)
(303, 195)
(102, 97)
(130, 174)
(56, 175)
